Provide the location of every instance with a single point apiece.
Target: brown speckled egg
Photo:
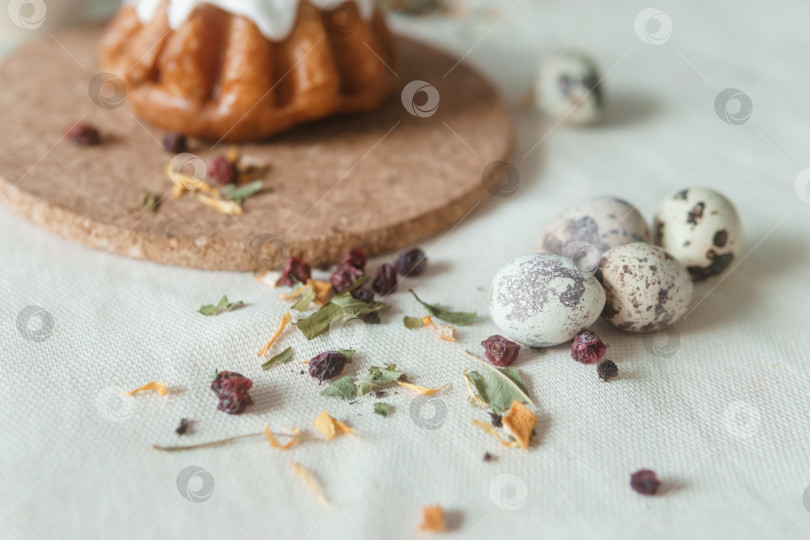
(700, 228)
(646, 287)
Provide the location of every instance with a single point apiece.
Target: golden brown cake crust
(217, 76)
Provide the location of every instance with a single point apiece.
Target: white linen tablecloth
(724, 419)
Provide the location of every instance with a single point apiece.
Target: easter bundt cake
(242, 70)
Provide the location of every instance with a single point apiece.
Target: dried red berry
(500, 351)
(345, 276)
(222, 171)
(386, 280)
(607, 370)
(587, 348)
(411, 263)
(364, 295)
(645, 482)
(83, 135)
(327, 365)
(176, 143)
(232, 390)
(295, 271)
(355, 257)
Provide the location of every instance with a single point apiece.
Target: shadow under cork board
(382, 180)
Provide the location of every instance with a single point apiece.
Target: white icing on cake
(274, 18)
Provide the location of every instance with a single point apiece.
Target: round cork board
(381, 180)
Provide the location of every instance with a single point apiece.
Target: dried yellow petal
(286, 297)
(492, 431)
(177, 191)
(157, 386)
(421, 389)
(285, 320)
(331, 428)
(427, 321)
(274, 443)
(310, 482)
(519, 421)
(432, 519)
(446, 333)
(322, 290)
(225, 207)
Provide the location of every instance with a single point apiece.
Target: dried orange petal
(421, 389)
(157, 386)
(519, 421)
(331, 428)
(285, 320)
(432, 519)
(310, 482)
(274, 443)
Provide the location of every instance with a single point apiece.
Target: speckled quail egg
(586, 231)
(646, 287)
(700, 228)
(543, 300)
(567, 88)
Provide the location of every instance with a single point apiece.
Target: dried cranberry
(355, 257)
(607, 370)
(176, 143)
(232, 390)
(222, 171)
(295, 271)
(83, 135)
(411, 263)
(345, 276)
(327, 365)
(386, 280)
(645, 482)
(587, 348)
(500, 351)
(364, 295)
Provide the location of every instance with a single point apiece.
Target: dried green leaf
(149, 200)
(383, 409)
(377, 378)
(412, 322)
(455, 317)
(348, 353)
(342, 388)
(210, 310)
(342, 305)
(283, 357)
(240, 193)
(498, 388)
(305, 299)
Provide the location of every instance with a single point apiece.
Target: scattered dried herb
(282, 324)
(232, 390)
(149, 200)
(310, 482)
(411, 263)
(83, 135)
(342, 305)
(157, 386)
(488, 456)
(412, 322)
(607, 370)
(240, 193)
(500, 351)
(175, 143)
(183, 427)
(510, 442)
(283, 357)
(223, 306)
(223, 171)
(386, 280)
(306, 297)
(458, 317)
(377, 378)
(382, 409)
(645, 482)
(587, 348)
(220, 442)
(343, 388)
(432, 519)
(327, 365)
(296, 270)
(331, 428)
(495, 419)
(497, 388)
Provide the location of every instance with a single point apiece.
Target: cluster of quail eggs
(599, 258)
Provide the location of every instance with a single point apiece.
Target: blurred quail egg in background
(567, 88)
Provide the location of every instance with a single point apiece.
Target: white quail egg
(543, 300)
(701, 228)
